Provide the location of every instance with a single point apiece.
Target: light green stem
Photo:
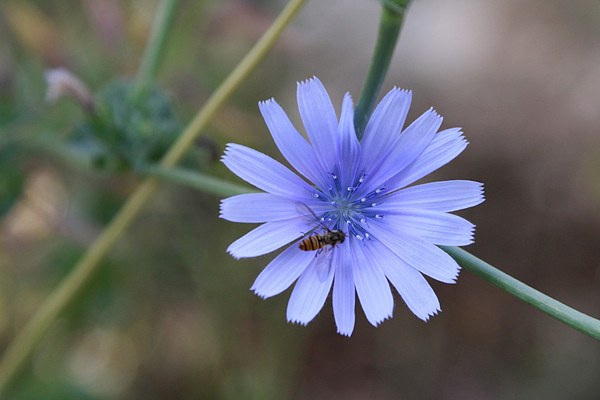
(196, 180)
(154, 50)
(575, 319)
(392, 15)
(24, 343)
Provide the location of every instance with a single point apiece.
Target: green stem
(153, 52)
(24, 343)
(196, 180)
(392, 15)
(575, 319)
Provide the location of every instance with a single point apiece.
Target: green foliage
(128, 128)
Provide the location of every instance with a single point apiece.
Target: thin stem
(575, 319)
(24, 343)
(392, 15)
(154, 50)
(196, 180)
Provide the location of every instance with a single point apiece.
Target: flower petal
(267, 237)
(291, 144)
(371, 285)
(308, 296)
(435, 227)
(258, 207)
(349, 147)
(320, 121)
(383, 128)
(444, 147)
(418, 253)
(282, 272)
(410, 145)
(264, 172)
(444, 196)
(410, 284)
(344, 293)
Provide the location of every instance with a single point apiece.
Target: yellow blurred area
(37, 214)
(33, 29)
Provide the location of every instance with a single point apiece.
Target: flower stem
(161, 26)
(196, 180)
(24, 343)
(392, 15)
(573, 318)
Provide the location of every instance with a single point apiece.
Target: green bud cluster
(128, 128)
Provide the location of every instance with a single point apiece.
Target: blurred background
(170, 315)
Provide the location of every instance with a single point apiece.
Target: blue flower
(358, 188)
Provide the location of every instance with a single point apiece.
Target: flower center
(348, 212)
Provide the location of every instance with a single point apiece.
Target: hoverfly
(320, 242)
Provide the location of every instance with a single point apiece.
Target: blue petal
(320, 121)
(282, 272)
(410, 284)
(308, 296)
(410, 145)
(432, 226)
(444, 147)
(258, 207)
(344, 294)
(291, 144)
(349, 147)
(263, 172)
(266, 238)
(383, 128)
(444, 196)
(371, 285)
(418, 253)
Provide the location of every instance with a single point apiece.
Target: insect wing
(323, 264)
(309, 217)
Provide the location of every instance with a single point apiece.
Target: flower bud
(63, 83)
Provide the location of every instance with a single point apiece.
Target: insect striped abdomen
(311, 243)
